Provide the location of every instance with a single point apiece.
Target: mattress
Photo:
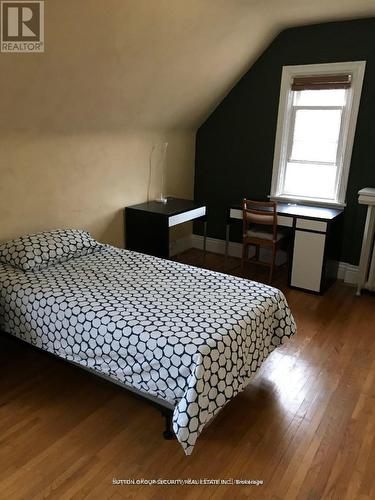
(190, 337)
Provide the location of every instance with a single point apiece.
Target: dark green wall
(234, 149)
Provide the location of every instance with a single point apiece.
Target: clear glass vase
(158, 173)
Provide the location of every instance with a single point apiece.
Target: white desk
(366, 274)
(315, 251)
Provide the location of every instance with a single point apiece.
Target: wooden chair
(261, 215)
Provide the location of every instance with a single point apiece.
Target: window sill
(304, 201)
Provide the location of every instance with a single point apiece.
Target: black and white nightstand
(147, 224)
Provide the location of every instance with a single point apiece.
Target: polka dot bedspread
(189, 336)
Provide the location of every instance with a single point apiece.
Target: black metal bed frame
(166, 413)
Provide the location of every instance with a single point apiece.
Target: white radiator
(366, 275)
(370, 284)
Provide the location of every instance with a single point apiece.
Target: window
(315, 132)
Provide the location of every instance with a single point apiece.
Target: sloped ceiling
(145, 64)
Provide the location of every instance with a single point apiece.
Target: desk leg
(226, 243)
(204, 240)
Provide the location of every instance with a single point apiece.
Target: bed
(187, 338)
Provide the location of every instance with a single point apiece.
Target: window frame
(293, 114)
(285, 128)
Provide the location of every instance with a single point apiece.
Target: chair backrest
(261, 213)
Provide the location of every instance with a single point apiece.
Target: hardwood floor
(305, 426)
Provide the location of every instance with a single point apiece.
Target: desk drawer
(235, 213)
(308, 258)
(186, 216)
(311, 225)
(284, 221)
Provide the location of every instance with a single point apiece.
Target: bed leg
(168, 433)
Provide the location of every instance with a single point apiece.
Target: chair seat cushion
(264, 235)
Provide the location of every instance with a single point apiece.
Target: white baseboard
(217, 246)
(180, 245)
(234, 249)
(347, 272)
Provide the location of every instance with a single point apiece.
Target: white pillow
(37, 251)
